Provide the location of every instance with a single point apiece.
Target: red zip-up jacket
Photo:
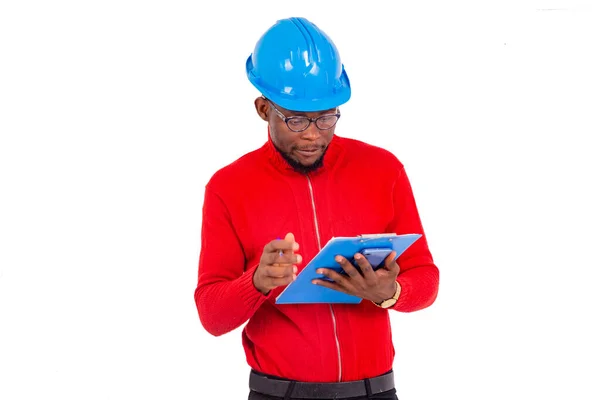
(360, 189)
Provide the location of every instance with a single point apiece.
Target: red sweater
(360, 189)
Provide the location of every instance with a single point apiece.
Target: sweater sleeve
(419, 276)
(225, 294)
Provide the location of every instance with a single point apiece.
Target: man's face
(303, 150)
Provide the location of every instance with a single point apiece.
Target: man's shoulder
(238, 170)
(358, 149)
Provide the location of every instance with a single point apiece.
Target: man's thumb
(290, 237)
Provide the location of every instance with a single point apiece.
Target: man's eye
(327, 120)
(297, 122)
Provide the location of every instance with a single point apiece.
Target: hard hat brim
(341, 94)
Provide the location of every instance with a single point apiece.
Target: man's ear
(262, 108)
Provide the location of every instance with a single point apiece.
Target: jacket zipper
(335, 333)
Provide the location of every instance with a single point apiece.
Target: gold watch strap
(394, 297)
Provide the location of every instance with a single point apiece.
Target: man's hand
(276, 266)
(376, 286)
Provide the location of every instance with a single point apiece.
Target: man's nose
(312, 132)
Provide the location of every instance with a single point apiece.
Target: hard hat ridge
(297, 66)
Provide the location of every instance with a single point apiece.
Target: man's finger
(390, 263)
(330, 285)
(347, 266)
(281, 271)
(277, 245)
(333, 275)
(366, 268)
(282, 258)
(289, 237)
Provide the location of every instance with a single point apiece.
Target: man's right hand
(276, 266)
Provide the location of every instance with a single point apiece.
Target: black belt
(317, 390)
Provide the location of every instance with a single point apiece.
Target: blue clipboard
(302, 290)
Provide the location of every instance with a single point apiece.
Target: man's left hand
(363, 282)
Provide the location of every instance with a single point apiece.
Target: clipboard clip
(372, 236)
(376, 235)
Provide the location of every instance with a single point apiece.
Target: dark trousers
(389, 395)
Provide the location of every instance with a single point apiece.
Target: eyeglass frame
(310, 120)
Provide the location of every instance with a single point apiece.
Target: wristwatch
(390, 302)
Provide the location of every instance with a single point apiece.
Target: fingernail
(338, 259)
(295, 269)
(296, 246)
(298, 258)
(357, 256)
(320, 271)
(294, 277)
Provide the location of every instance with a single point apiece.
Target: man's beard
(299, 167)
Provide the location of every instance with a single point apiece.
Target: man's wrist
(389, 293)
(390, 301)
(256, 286)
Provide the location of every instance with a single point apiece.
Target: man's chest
(314, 210)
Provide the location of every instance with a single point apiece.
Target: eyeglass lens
(301, 123)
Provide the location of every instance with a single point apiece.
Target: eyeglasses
(301, 123)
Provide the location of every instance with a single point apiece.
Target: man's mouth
(309, 150)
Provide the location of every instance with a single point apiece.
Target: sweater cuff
(405, 294)
(251, 296)
(418, 290)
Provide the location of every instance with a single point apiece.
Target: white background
(114, 114)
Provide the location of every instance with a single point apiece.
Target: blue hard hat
(298, 67)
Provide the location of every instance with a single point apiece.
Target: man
(269, 212)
